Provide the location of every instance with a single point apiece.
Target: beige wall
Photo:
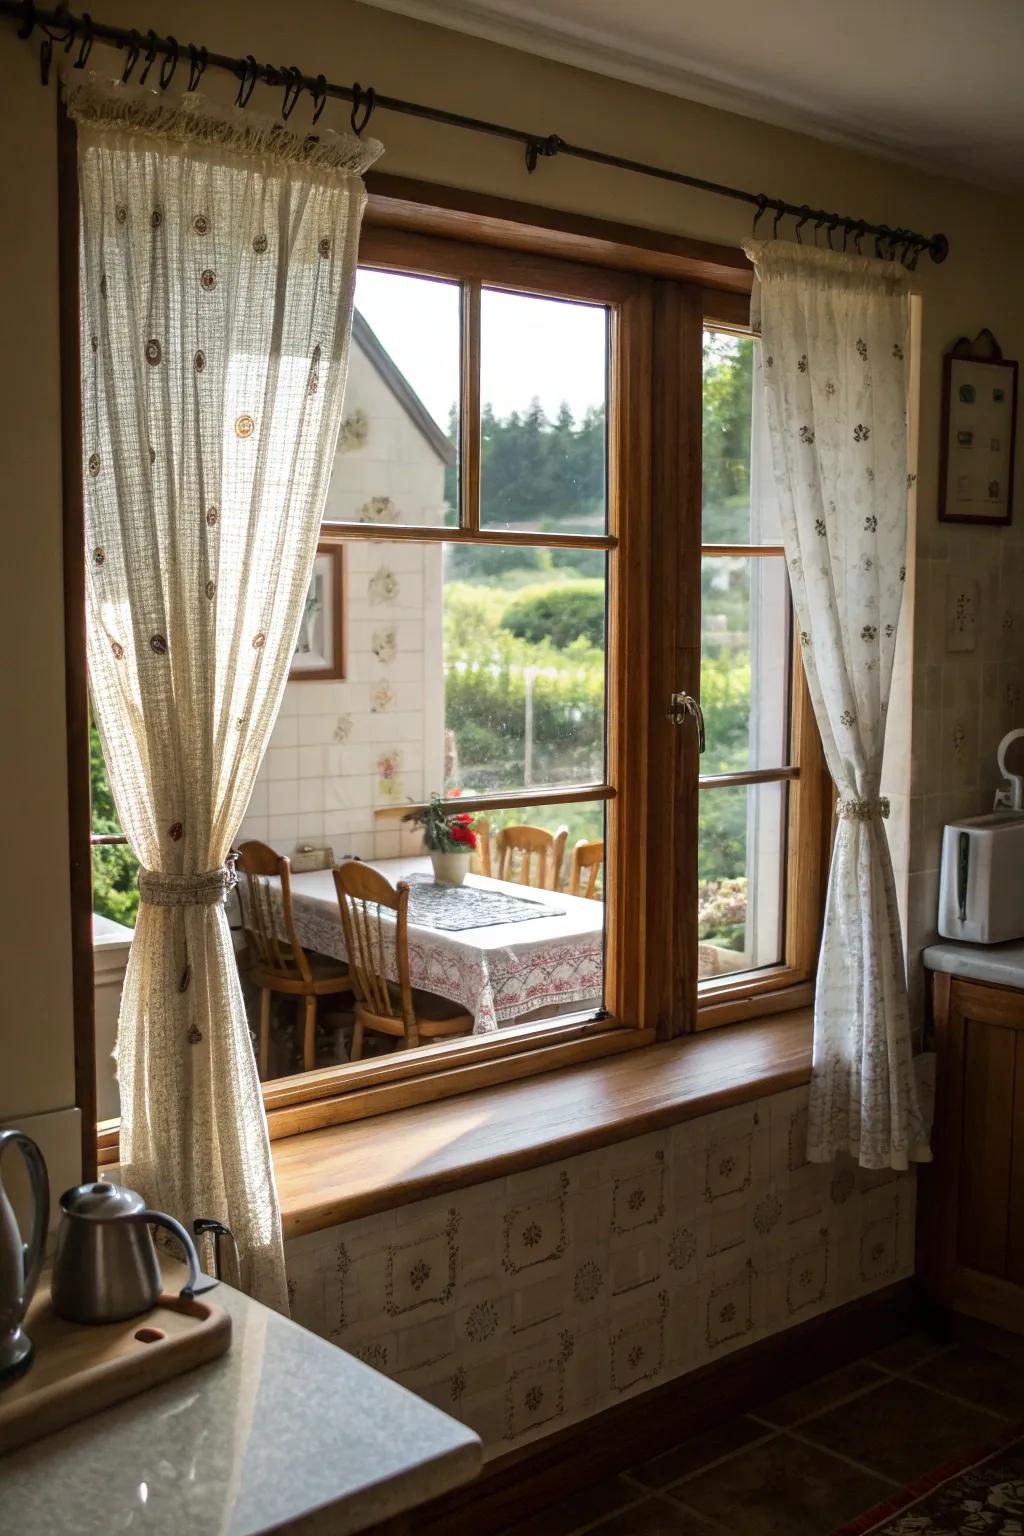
(977, 286)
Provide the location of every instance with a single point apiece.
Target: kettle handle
(158, 1219)
(39, 1180)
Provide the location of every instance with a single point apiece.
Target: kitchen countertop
(283, 1431)
(999, 963)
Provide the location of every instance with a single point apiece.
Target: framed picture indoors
(979, 417)
(320, 649)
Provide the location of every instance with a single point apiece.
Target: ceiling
(937, 83)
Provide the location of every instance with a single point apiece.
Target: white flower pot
(449, 868)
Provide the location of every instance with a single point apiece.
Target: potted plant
(448, 837)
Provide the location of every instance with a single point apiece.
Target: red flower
(465, 820)
(461, 834)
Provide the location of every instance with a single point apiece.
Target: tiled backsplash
(522, 1304)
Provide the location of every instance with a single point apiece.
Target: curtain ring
(292, 90)
(248, 74)
(170, 63)
(133, 57)
(151, 52)
(87, 41)
(28, 20)
(319, 94)
(362, 101)
(805, 214)
(762, 204)
(196, 65)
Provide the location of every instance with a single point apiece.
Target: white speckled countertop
(999, 963)
(284, 1431)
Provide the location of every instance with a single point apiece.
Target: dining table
(499, 949)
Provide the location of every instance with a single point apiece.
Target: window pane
(733, 512)
(740, 868)
(543, 393)
(397, 459)
(745, 662)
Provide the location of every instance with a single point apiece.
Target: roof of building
(368, 343)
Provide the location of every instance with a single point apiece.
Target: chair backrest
(255, 865)
(540, 855)
(588, 858)
(362, 893)
(481, 862)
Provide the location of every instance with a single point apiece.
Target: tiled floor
(812, 1460)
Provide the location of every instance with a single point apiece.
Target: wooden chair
(540, 852)
(280, 965)
(381, 1005)
(481, 861)
(589, 857)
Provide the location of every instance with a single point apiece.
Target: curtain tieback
(204, 890)
(863, 810)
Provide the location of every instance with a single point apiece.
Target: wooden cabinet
(974, 1192)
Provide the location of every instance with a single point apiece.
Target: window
(546, 506)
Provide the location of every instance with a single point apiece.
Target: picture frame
(320, 647)
(979, 418)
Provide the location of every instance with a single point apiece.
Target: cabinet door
(978, 1187)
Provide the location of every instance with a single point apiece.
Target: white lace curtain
(833, 372)
(217, 275)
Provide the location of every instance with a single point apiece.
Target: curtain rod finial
(939, 248)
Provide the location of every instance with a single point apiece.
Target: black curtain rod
(60, 27)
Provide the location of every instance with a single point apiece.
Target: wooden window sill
(337, 1174)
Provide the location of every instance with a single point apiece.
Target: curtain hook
(364, 102)
(805, 214)
(87, 41)
(762, 204)
(319, 94)
(133, 56)
(196, 65)
(170, 63)
(151, 52)
(248, 74)
(779, 213)
(292, 90)
(28, 20)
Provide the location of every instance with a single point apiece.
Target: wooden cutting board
(80, 1369)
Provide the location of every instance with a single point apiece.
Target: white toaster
(981, 893)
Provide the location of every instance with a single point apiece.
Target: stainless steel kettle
(106, 1267)
(20, 1262)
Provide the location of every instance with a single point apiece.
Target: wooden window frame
(665, 290)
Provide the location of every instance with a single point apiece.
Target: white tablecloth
(496, 973)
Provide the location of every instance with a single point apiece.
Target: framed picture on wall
(979, 417)
(320, 649)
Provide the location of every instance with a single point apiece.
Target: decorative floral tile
(536, 1233)
(535, 1394)
(730, 1309)
(807, 1276)
(343, 727)
(382, 586)
(423, 1271)
(355, 430)
(382, 698)
(879, 1247)
(682, 1251)
(639, 1200)
(384, 645)
(728, 1169)
(637, 1350)
(389, 770)
(587, 1282)
(379, 509)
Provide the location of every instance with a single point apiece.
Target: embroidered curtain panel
(218, 263)
(833, 376)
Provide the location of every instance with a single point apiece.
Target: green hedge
(559, 614)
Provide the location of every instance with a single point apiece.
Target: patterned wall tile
(522, 1305)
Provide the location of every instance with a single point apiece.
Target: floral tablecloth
(496, 973)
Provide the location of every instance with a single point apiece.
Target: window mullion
(470, 426)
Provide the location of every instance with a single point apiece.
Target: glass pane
(397, 459)
(745, 662)
(740, 869)
(543, 393)
(733, 511)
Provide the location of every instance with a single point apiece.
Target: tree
(115, 869)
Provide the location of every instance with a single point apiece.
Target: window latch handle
(683, 707)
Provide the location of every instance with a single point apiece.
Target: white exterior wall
(341, 750)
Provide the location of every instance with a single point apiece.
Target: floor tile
(970, 1330)
(656, 1517)
(582, 1509)
(818, 1395)
(696, 1452)
(781, 1488)
(901, 1429)
(980, 1376)
(907, 1353)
